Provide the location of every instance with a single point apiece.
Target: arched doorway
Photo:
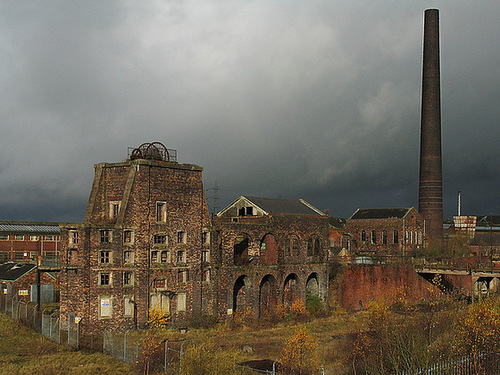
(241, 289)
(268, 296)
(312, 285)
(290, 290)
(268, 250)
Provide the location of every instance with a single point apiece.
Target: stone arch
(290, 289)
(240, 249)
(268, 295)
(268, 249)
(241, 289)
(312, 285)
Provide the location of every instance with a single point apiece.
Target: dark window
(374, 237)
(104, 279)
(181, 276)
(105, 256)
(249, 211)
(384, 237)
(181, 237)
(160, 239)
(180, 256)
(164, 256)
(295, 247)
(310, 246)
(128, 278)
(363, 236)
(104, 236)
(317, 246)
(154, 256)
(396, 236)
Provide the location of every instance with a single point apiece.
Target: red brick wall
(356, 286)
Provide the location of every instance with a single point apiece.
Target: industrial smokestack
(430, 202)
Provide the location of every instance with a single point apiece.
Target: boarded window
(181, 302)
(105, 307)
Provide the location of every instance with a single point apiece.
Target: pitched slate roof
(11, 271)
(29, 227)
(284, 206)
(379, 213)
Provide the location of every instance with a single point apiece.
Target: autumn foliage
(298, 356)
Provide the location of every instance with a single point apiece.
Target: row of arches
(268, 249)
(270, 293)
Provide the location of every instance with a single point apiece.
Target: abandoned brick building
(147, 240)
(271, 251)
(387, 231)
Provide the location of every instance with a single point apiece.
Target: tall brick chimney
(430, 202)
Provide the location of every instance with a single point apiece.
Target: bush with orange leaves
(298, 310)
(299, 356)
(478, 329)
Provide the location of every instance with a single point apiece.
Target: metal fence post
(166, 354)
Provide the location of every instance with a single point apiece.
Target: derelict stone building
(272, 251)
(142, 242)
(147, 240)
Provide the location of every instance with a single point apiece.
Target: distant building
(386, 231)
(24, 241)
(19, 281)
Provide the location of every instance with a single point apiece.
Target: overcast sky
(295, 99)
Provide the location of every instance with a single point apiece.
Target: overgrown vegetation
(23, 351)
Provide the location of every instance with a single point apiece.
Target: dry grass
(23, 351)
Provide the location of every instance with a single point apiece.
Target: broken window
(206, 275)
(154, 256)
(182, 276)
(374, 237)
(396, 236)
(128, 236)
(249, 211)
(161, 212)
(181, 237)
(128, 278)
(128, 256)
(114, 209)
(384, 237)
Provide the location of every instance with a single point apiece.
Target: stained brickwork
(140, 244)
(359, 285)
(269, 259)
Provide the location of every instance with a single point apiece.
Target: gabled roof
(380, 213)
(11, 271)
(278, 206)
(337, 222)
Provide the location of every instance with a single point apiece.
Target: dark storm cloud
(318, 100)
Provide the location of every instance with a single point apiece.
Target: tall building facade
(145, 235)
